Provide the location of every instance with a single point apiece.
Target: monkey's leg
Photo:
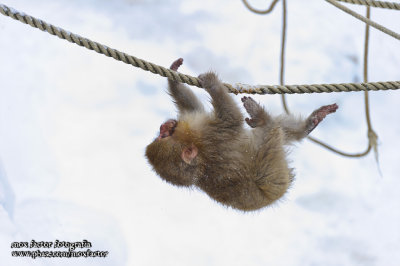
(258, 116)
(296, 129)
(274, 175)
(184, 98)
(225, 107)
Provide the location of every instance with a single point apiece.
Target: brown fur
(244, 169)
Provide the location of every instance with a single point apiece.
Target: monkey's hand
(210, 81)
(176, 64)
(318, 115)
(256, 112)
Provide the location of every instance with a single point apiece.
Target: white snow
(74, 125)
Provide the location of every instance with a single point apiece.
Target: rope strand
(372, 136)
(371, 3)
(261, 12)
(365, 20)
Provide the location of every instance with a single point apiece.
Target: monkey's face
(173, 154)
(165, 155)
(167, 128)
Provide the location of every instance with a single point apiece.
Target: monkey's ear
(189, 153)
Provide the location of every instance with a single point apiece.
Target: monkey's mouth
(167, 128)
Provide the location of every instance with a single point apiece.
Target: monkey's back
(247, 171)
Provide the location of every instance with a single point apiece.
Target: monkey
(244, 168)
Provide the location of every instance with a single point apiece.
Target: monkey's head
(173, 153)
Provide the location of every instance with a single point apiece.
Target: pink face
(167, 128)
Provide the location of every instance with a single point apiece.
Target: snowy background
(74, 126)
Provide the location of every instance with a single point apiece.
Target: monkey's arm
(225, 107)
(184, 98)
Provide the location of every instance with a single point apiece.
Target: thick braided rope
(364, 19)
(173, 75)
(100, 48)
(317, 88)
(371, 3)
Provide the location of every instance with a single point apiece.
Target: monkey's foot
(255, 111)
(318, 115)
(176, 64)
(209, 80)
